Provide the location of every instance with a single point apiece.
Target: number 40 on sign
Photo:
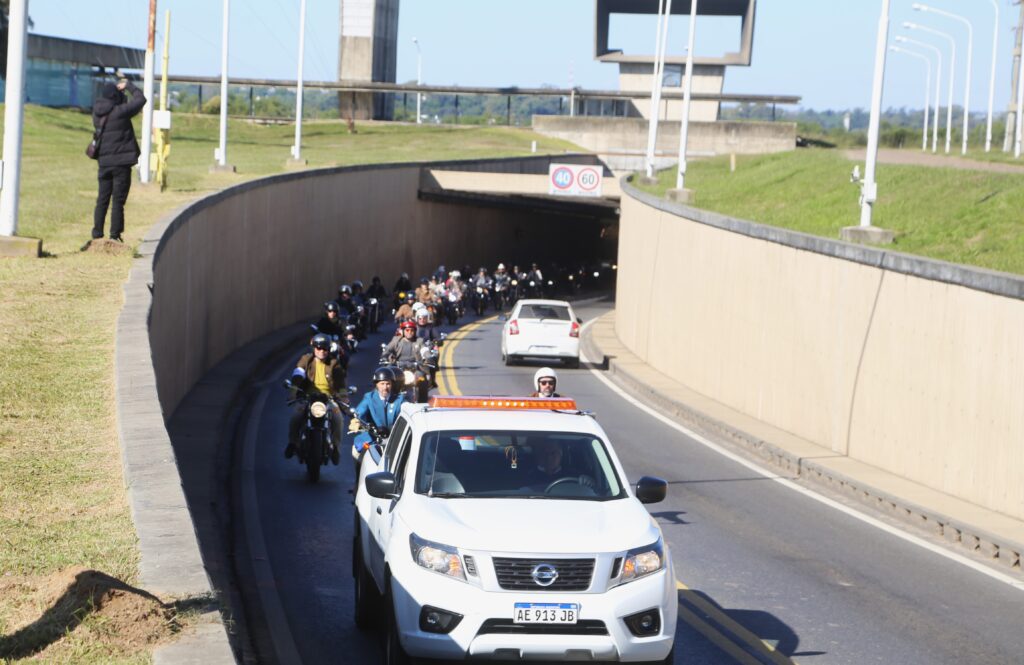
(574, 180)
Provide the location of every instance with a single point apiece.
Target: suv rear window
(515, 464)
(559, 312)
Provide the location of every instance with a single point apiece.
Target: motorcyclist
(502, 282)
(402, 284)
(405, 312)
(376, 289)
(404, 350)
(379, 406)
(535, 281)
(545, 380)
(425, 327)
(318, 371)
(332, 325)
(423, 292)
(345, 300)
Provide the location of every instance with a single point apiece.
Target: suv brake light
(513, 327)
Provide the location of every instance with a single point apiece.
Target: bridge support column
(367, 51)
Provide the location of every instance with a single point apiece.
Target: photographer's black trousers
(115, 181)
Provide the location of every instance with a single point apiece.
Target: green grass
(62, 501)
(969, 217)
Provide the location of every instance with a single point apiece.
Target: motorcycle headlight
(642, 561)
(441, 559)
(515, 282)
(410, 378)
(373, 301)
(318, 409)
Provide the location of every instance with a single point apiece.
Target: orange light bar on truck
(510, 403)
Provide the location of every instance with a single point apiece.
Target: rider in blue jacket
(379, 406)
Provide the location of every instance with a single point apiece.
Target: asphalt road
(767, 575)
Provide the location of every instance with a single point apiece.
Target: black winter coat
(118, 146)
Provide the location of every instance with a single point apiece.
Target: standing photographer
(112, 115)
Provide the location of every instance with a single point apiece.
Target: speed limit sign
(574, 180)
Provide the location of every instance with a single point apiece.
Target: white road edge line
(856, 514)
(277, 621)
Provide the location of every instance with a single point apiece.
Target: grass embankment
(962, 216)
(62, 502)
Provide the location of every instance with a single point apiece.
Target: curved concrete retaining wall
(911, 365)
(260, 256)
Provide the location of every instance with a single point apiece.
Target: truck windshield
(492, 464)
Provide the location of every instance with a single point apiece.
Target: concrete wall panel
(852, 348)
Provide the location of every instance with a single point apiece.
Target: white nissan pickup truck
(504, 528)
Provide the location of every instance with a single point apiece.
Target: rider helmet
(321, 341)
(406, 325)
(456, 274)
(383, 374)
(345, 289)
(544, 373)
(483, 270)
(358, 284)
(424, 280)
(501, 266)
(410, 296)
(418, 307)
(331, 306)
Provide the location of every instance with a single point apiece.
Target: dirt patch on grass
(53, 609)
(106, 246)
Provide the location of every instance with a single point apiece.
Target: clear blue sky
(822, 50)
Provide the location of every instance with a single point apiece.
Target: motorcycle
(453, 309)
(316, 439)
(369, 434)
(481, 295)
(373, 314)
(501, 296)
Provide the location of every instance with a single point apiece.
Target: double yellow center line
(697, 611)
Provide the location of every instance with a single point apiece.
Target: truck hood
(539, 526)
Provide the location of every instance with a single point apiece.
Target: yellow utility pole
(163, 134)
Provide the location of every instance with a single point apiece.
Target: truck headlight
(642, 561)
(318, 409)
(436, 557)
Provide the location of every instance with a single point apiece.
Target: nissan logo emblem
(544, 574)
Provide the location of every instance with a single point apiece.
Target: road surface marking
(448, 380)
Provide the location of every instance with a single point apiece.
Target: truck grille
(516, 574)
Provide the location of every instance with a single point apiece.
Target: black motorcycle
(453, 308)
(316, 437)
(373, 314)
(481, 295)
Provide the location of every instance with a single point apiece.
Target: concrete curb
(996, 548)
(170, 562)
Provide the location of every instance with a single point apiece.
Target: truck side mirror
(651, 490)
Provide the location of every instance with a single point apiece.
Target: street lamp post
(970, 52)
(992, 78)
(684, 128)
(222, 150)
(869, 189)
(419, 79)
(661, 37)
(1020, 115)
(14, 113)
(952, 71)
(297, 148)
(927, 88)
(938, 83)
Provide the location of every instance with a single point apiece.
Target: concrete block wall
(911, 365)
(263, 255)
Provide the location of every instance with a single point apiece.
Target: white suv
(504, 528)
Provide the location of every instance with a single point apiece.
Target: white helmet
(418, 306)
(544, 373)
(455, 274)
(501, 266)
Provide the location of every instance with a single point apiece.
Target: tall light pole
(927, 88)
(222, 150)
(970, 52)
(147, 90)
(1018, 134)
(419, 79)
(952, 71)
(660, 39)
(992, 78)
(684, 128)
(869, 189)
(297, 148)
(938, 83)
(14, 113)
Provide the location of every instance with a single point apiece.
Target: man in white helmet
(544, 382)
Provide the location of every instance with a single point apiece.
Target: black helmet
(383, 374)
(331, 306)
(358, 284)
(405, 275)
(410, 296)
(345, 288)
(399, 377)
(424, 280)
(321, 341)
(375, 280)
